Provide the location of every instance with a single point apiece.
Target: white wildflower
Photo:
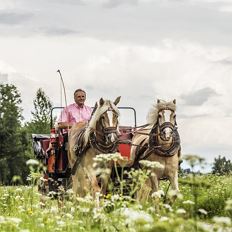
(18, 190)
(115, 197)
(68, 215)
(157, 194)
(54, 209)
(168, 207)
(84, 210)
(98, 214)
(14, 220)
(60, 223)
(41, 225)
(137, 217)
(70, 192)
(164, 219)
(32, 162)
(17, 197)
(21, 209)
(102, 158)
(175, 193)
(103, 171)
(203, 211)
(41, 204)
(222, 220)
(180, 211)
(205, 226)
(2, 219)
(151, 164)
(228, 204)
(52, 193)
(43, 179)
(151, 210)
(188, 202)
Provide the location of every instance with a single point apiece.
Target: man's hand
(64, 125)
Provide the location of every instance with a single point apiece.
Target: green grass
(23, 209)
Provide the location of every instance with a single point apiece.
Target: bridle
(157, 133)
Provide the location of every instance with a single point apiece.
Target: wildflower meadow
(204, 203)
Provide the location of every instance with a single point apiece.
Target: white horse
(159, 141)
(87, 141)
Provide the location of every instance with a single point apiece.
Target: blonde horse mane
(100, 109)
(160, 105)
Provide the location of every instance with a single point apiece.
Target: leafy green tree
(41, 115)
(221, 166)
(13, 138)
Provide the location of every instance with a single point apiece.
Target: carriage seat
(126, 133)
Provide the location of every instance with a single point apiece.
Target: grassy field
(204, 204)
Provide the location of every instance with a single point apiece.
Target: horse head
(105, 122)
(162, 118)
(166, 119)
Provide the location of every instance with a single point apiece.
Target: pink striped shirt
(73, 114)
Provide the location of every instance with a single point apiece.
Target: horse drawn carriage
(51, 149)
(71, 158)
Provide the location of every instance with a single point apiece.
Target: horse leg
(174, 181)
(174, 186)
(105, 178)
(154, 182)
(104, 184)
(95, 186)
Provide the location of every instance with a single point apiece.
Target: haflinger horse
(159, 141)
(86, 141)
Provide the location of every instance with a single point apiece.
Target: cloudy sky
(139, 49)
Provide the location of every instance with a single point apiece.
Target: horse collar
(102, 148)
(154, 145)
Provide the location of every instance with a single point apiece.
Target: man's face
(79, 98)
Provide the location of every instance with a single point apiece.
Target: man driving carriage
(76, 112)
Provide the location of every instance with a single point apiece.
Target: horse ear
(158, 100)
(95, 107)
(117, 100)
(174, 101)
(101, 101)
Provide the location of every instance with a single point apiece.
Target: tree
(12, 136)
(41, 115)
(222, 166)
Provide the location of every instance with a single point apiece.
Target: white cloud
(226, 8)
(177, 49)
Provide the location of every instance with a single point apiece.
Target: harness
(154, 145)
(102, 147)
(151, 145)
(93, 142)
